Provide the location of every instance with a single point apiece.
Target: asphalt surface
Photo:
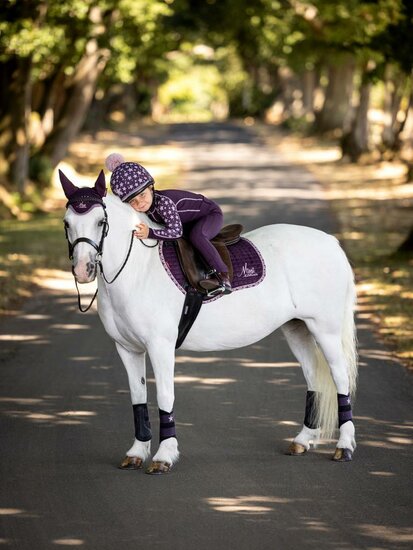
(66, 419)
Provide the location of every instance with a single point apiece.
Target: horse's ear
(100, 184)
(68, 187)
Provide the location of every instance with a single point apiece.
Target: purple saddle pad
(247, 263)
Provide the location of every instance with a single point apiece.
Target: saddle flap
(189, 262)
(192, 264)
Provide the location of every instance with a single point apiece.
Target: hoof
(131, 463)
(295, 449)
(158, 468)
(343, 455)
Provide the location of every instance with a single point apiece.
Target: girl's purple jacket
(174, 208)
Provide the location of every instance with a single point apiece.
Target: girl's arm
(166, 209)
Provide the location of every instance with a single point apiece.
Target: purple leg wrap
(166, 425)
(344, 409)
(310, 411)
(142, 425)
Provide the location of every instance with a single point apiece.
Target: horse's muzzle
(84, 272)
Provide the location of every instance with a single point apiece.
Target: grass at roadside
(374, 207)
(26, 247)
(31, 249)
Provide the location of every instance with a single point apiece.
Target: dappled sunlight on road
(246, 505)
(68, 542)
(195, 359)
(55, 279)
(387, 534)
(66, 407)
(46, 413)
(182, 379)
(384, 434)
(10, 511)
(382, 354)
(19, 337)
(269, 365)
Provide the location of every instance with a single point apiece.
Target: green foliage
(40, 170)
(250, 42)
(135, 38)
(194, 86)
(395, 42)
(39, 29)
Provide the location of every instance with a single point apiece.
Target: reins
(79, 299)
(98, 259)
(99, 263)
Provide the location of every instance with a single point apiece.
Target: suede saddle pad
(248, 267)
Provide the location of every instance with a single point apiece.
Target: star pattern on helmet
(128, 179)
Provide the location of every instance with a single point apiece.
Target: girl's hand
(142, 231)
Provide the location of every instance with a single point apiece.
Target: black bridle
(99, 252)
(98, 247)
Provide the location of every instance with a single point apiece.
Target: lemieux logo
(247, 271)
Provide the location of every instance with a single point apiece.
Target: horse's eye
(66, 224)
(101, 222)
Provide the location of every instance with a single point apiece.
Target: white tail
(326, 397)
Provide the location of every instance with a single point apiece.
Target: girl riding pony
(181, 213)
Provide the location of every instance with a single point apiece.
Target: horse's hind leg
(303, 346)
(134, 363)
(331, 344)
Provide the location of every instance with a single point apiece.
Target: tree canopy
(64, 64)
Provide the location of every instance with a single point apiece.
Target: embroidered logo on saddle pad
(247, 262)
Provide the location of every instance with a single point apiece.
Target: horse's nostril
(90, 268)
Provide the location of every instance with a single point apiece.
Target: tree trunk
(288, 84)
(79, 97)
(397, 88)
(48, 103)
(15, 118)
(356, 142)
(309, 83)
(338, 94)
(407, 245)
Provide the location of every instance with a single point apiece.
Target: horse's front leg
(141, 449)
(162, 354)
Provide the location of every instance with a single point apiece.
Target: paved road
(66, 417)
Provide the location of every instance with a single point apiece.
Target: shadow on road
(66, 419)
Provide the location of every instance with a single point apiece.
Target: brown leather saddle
(193, 265)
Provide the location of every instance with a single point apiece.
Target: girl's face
(143, 201)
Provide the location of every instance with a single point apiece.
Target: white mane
(126, 214)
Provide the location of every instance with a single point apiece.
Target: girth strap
(192, 306)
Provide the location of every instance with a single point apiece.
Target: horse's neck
(123, 217)
(122, 221)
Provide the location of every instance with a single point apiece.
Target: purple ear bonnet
(83, 199)
(128, 178)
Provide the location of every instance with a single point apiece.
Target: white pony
(308, 292)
